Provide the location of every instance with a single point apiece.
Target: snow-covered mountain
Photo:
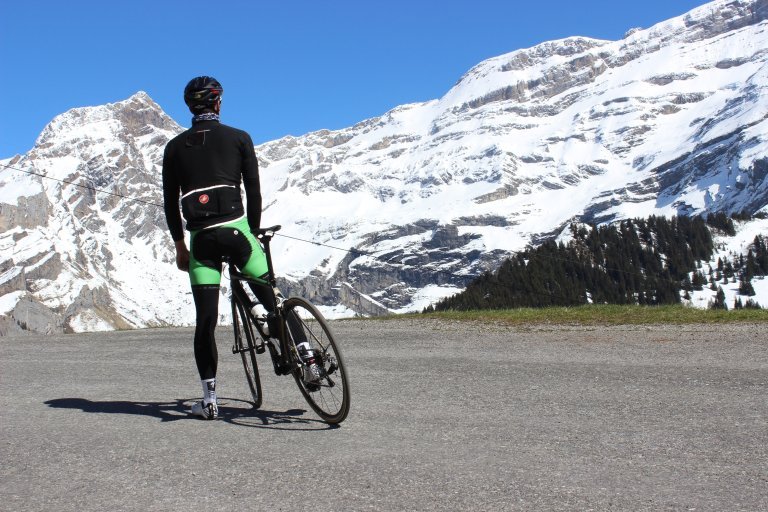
(669, 120)
(76, 259)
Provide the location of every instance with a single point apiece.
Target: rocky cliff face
(408, 206)
(89, 257)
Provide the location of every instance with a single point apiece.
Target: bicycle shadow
(231, 410)
(165, 411)
(292, 419)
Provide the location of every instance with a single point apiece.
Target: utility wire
(356, 252)
(144, 201)
(87, 187)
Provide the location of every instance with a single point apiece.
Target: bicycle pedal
(260, 348)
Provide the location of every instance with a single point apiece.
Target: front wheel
(246, 344)
(329, 395)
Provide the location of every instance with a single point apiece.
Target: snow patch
(9, 300)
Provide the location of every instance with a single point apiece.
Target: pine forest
(649, 261)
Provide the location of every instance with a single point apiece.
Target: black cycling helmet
(202, 92)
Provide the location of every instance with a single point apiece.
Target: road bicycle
(294, 321)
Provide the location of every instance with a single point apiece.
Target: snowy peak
(553, 67)
(713, 19)
(105, 146)
(518, 75)
(135, 117)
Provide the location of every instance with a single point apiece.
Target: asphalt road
(444, 417)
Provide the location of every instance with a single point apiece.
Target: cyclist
(205, 166)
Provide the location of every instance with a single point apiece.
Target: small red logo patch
(203, 198)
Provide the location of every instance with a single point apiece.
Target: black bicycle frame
(281, 361)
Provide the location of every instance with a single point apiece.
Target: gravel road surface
(445, 416)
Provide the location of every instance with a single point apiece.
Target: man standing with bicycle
(205, 166)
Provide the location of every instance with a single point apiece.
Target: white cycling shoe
(208, 411)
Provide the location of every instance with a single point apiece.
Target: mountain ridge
(669, 120)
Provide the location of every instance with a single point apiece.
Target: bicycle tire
(244, 339)
(331, 398)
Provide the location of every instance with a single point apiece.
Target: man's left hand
(182, 256)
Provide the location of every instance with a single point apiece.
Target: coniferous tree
(746, 288)
(721, 221)
(750, 267)
(761, 255)
(698, 281)
(719, 302)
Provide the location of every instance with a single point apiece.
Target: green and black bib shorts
(233, 240)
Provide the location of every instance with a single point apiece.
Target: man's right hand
(182, 256)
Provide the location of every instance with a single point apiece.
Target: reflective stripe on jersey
(204, 189)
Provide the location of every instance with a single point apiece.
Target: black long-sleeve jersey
(206, 165)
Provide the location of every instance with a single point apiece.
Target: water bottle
(260, 315)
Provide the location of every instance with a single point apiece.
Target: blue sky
(287, 67)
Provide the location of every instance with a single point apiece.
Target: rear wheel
(245, 341)
(329, 396)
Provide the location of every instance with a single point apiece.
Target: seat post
(268, 253)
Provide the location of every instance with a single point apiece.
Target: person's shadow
(231, 410)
